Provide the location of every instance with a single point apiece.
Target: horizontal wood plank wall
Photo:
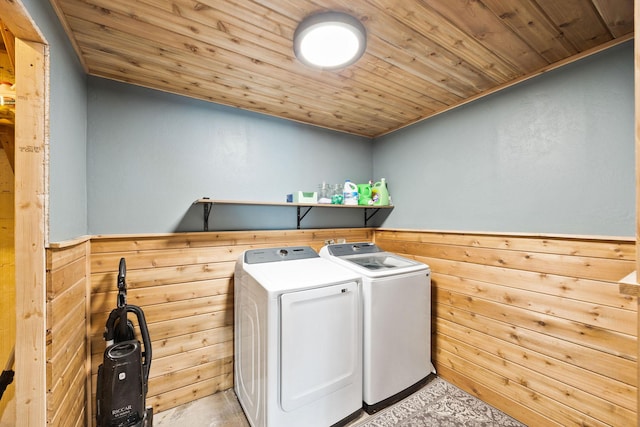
(67, 280)
(184, 284)
(535, 326)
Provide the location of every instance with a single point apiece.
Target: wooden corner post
(30, 233)
(636, 56)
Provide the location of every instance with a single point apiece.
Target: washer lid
(371, 261)
(381, 261)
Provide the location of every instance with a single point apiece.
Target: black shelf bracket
(368, 217)
(301, 217)
(207, 210)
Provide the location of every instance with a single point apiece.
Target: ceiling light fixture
(329, 40)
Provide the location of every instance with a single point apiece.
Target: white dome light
(329, 40)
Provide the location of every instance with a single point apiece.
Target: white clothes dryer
(298, 339)
(397, 321)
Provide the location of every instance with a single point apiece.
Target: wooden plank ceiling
(422, 58)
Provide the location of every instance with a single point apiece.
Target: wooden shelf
(207, 205)
(629, 285)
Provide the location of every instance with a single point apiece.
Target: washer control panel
(344, 249)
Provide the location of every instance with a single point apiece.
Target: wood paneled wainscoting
(67, 351)
(184, 284)
(535, 326)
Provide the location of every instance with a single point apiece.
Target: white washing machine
(397, 321)
(298, 339)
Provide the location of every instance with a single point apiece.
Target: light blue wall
(152, 154)
(552, 155)
(67, 129)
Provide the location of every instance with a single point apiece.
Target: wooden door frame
(636, 67)
(30, 234)
(31, 204)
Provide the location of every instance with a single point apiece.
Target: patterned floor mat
(440, 404)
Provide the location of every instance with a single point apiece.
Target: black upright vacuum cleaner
(123, 376)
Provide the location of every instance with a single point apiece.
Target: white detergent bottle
(350, 193)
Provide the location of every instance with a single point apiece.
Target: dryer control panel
(258, 256)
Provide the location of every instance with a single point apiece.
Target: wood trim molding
(68, 243)
(19, 22)
(30, 232)
(636, 59)
(594, 237)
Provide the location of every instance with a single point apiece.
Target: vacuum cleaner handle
(122, 284)
(125, 328)
(146, 340)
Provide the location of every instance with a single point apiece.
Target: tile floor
(219, 410)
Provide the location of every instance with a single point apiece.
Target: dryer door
(320, 347)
